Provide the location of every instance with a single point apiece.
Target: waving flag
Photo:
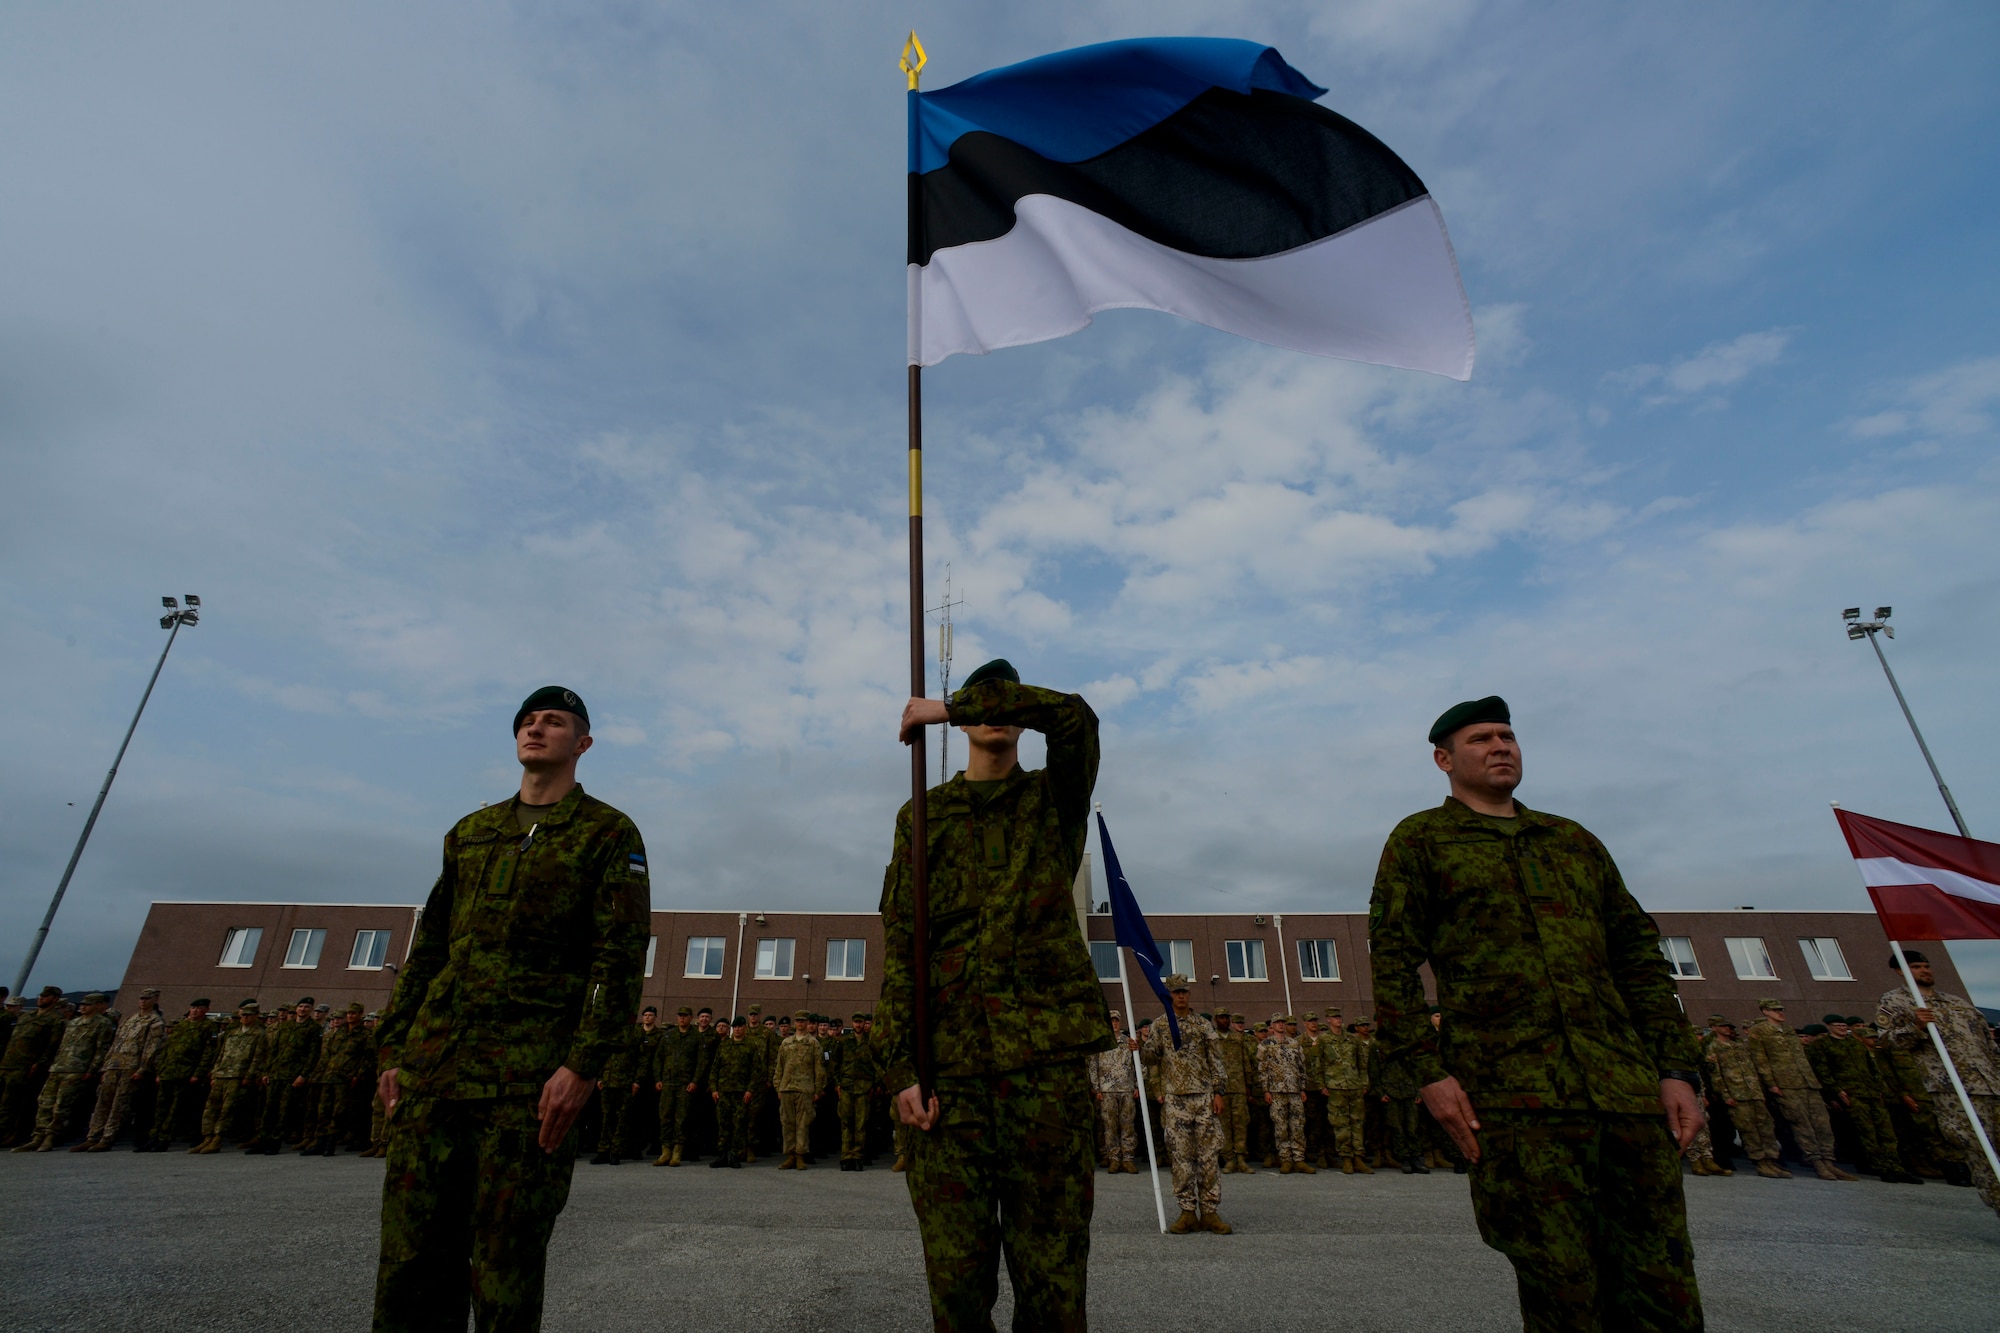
(1128, 925)
(1191, 175)
(1926, 885)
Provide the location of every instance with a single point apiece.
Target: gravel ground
(116, 1241)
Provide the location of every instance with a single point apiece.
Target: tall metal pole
(913, 63)
(48, 917)
(1908, 716)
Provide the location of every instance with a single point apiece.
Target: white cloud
(1957, 401)
(1701, 376)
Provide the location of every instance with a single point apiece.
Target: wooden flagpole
(912, 64)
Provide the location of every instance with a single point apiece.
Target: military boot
(310, 1148)
(211, 1144)
(677, 1156)
(1831, 1171)
(1270, 1159)
(1129, 1169)
(902, 1164)
(1772, 1171)
(1412, 1167)
(1183, 1224)
(1361, 1166)
(29, 1146)
(86, 1146)
(1213, 1222)
(102, 1145)
(1305, 1168)
(790, 1163)
(1347, 1166)
(665, 1158)
(1285, 1167)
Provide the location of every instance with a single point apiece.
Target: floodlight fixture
(1881, 613)
(1851, 613)
(193, 600)
(170, 603)
(166, 622)
(1856, 632)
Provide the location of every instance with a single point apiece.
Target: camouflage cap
(53, 990)
(1290, 1020)
(1490, 709)
(322, 1008)
(1770, 1002)
(756, 1009)
(1263, 1027)
(1178, 982)
(150, 993)
(552, 697)
(1238, 1018)
(860, 1018)
(686, 1012)
(1312, 1015)
(1718, 1018)
(371, 1014)
(96, 997)
(356, 1007)
(1117, 1015)
(247, 1009)
(1333, 1013)
(802, 1016)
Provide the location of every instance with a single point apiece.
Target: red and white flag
(1926, 885)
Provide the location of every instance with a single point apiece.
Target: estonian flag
(1192, 175)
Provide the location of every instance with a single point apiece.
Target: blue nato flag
(1128, 923)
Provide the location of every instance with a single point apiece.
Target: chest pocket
(993, 846)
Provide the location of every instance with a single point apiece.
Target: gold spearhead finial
(914, 59)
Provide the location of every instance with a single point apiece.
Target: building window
(1318, 961)
(704, 956)
(1679, 952)
(652, 952)
(846, 960)
(1246, 960)
(774, 960)
(304, 949)
(1104, 958)
(1825, 960)
(1179, 957)
(370, 948)
(1752, 959)
(239, 946)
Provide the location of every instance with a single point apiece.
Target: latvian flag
(1926, 885)
(1191, 175)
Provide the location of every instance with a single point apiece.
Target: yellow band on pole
(916, 483)
(911, 67)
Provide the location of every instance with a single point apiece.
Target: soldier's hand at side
(386, 1088)
(1684, 1114)
(690, 1087)
(921, 713)
(563, 1098)
(1218, 1103)
(1452, 1109)
(300, 1082)
(1910, 1101)
(1729, 1101)
(1844, 1101)
(916, 1112)
(1777, 1092)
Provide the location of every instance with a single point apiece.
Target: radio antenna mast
(944, 672)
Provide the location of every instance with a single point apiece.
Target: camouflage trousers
(219, 1112)
(18, 1091)
(1345, 1112)
(115, 1091)
(1805, 1112)
(378, 1123)
(732, 1124)
(1957, 1131)
(1754, 1127)
(468, 1202)
(673, 1115)
(1923, 1147)
(285, 1106)
(1008, 1170)
(333, 1108)
(1589, 1211)
(177, 1101)
(1702, 1149)
(58, 1102)
(1405, 1130)
(1194, 1141)
(1874, 1137)
(1236, 1123)
(854, 1108)
(1117, 1128)
(1288, 1125)
(612, 1099)
(796, 1111)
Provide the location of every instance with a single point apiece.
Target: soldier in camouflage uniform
(1562, 1042)
(525, 965)
(855, 1074)
(1004, 1154)
(1191, 1079)
(800, 1080)
(25, 1064)
(678, 1065)
(1784, 1070)
(1281, 1071)
(1908, 1099)
(180, 1074)
(1343, 1072)
(85, 1040)
(1396, 1085)
(1903, 1023)
(615, 1087)
(339, 1081)
(1733, 1071)
(734, 1074)
(765, 1041)
(127, 1068)
(239, 1059)
(288, 1066)
(641, 1130)
(1116, 1089)
(1238, 1049)
(1853, 1088)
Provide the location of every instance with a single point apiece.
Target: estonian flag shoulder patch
(636, 862)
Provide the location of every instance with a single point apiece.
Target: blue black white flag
(1191, 175)
(1129, 926)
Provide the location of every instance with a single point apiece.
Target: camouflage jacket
(240, 1053)
(1342, 1062)
(711, 1042)
(621, 1066)
(1281, 1066)
(1111, 1072)
(85, 1042)
(137, 1043)
(1964, 1031)
(1903, 1074)
(854, 1067)
(1011, 984)
(294, 1050)
(1733, 1071)
(738, 1067)
(1239, 1062)
(528, 955)
(681, 1058)
(1193, 1070)
(1844, 1065)
(344, 1054)
(36, 1037)
(646, 1054)
(189, 1050)
(1780, 1058)
(1550, 977)
(800, 1066)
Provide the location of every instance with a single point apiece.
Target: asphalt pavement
(235, 1244)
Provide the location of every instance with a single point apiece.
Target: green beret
(201, 1003)
(1855, 1021)
(998, 669)
(1490, 709)
(1831, 1019)
(552, 696)
(649, 1009)
(1814, 1029)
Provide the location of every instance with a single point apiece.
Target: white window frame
(1245, 952)
(1681, 969)
(1825, 959)
(1311, 972)
(1178, 955)
(848, 947)
(1742, 960)
(768, 958)
(715, 946)
(1117, 960)
(375, 938)
(240, 945)
(652, 952)
(314, 942)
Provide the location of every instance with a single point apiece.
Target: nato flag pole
(1129, 925)
(1138, 1067)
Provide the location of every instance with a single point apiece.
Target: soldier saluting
(1563, 1068)
(1003, 1154)
(520, 983)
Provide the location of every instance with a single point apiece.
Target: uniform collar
(1462, 813)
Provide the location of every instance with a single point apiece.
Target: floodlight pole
(1873, 630)
(173, 623)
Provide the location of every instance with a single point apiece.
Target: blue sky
(447, 352)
